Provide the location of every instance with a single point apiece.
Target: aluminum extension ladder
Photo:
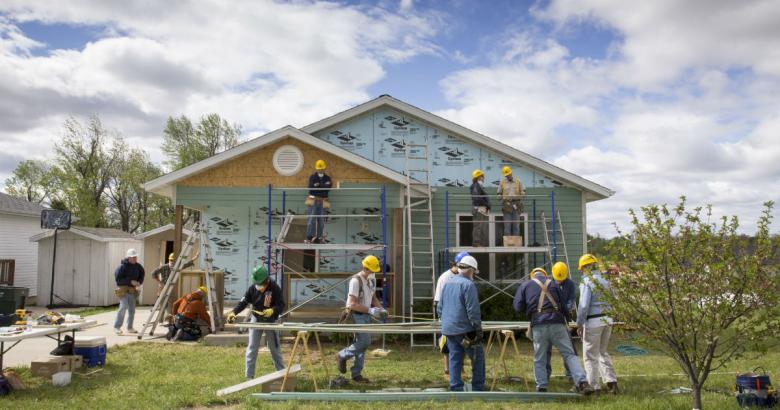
(552, 246)
(157, 313)
(419, 231)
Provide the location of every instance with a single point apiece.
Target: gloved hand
(231, 317)
(377, 312)
(268, 312)
(478, 337)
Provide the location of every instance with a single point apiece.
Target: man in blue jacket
(267, 302)
(129, 277)
(319, 187)
(461, 323)
(540, 299)
(595, 326)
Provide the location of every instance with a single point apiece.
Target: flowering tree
(697, 290)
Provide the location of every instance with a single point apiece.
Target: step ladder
(553, 246)
(188, 251)
(215, 313)
(419, 232)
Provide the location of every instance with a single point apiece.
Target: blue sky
(651, 99)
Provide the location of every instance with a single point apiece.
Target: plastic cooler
(92, 349)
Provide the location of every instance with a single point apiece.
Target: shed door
(63, 272)
(81, 271)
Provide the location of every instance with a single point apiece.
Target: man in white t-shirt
(445, 276)
(363, 303)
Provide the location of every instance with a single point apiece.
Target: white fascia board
(165, 185)
(600, 192)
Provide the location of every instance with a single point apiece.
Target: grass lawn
(163, 376)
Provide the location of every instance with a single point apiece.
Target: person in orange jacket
(190, 314)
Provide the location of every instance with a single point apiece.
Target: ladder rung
(427, 238)
(417, 157)
(420, 223)
(416, 145)
(417, 170)
(422, 267)
(421, 252)
(420, 209)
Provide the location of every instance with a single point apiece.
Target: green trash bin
(12, 298)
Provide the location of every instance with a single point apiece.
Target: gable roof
(597, 191)
(18, 206)
(165, 185)
(96, 234)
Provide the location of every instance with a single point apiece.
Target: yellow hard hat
(560, 271)
(371, 263)
(203, 289)
(477, 173)
(319, 165)
(170, 257)
(544, 272)
(506, 171)
(586, 260)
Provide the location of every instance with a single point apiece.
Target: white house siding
(15, 231)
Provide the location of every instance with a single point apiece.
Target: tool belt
(311, 200)
(123, 290)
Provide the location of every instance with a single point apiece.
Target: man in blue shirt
(541, 301)
(569, 292)
(319, 187)
(461, 323)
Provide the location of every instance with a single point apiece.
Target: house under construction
(401, 178)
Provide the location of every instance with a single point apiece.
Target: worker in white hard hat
(480, 209)
(510, 192)
(362, 305)
(540, 300)
(560, 273)
(461, 323)
(443, 279)
(317, 202)
(594, 325)
(129, 277)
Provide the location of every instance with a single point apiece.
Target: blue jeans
(316, 226)
(565, 366)
(554, 334)
(358, 349)
(511, 228)
(273, 343)
(477, 356)
(126, 303)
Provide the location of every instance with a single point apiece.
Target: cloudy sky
(651, 99)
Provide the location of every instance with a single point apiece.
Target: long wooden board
(260, 380)
(416, 396)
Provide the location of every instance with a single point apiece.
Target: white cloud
(262, 64)
(683, 104)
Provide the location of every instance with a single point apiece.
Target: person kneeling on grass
(461, 323)
(362, 304)
(267, 302)
(189, 317)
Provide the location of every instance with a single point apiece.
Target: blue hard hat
(460, 256)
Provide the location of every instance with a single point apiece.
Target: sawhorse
(301, 347)
(502, 337)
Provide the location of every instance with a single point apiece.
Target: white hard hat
(132, 253)
(469, 261)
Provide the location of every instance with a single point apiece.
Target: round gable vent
(288, 160)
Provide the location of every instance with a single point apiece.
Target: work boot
(584, 388)
(541, 390)
(131, 330)
(118, 331)
(612, 388)
(342, 363)
(360, 379)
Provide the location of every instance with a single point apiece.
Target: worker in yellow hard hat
(480, 209)
(190, 318)
(560, 273)
(594, 325)
(362, 304)
(510, 192)
(317, 203)
(540, 300)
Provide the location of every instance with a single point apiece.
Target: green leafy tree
(697, 290)
(185, 144)
(131, 208)
(86, 161)
(32, 180)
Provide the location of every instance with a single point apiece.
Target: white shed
(86, 260)
(19, 258)
(157, 245)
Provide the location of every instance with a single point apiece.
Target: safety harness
(346, 314)
(545, 294)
